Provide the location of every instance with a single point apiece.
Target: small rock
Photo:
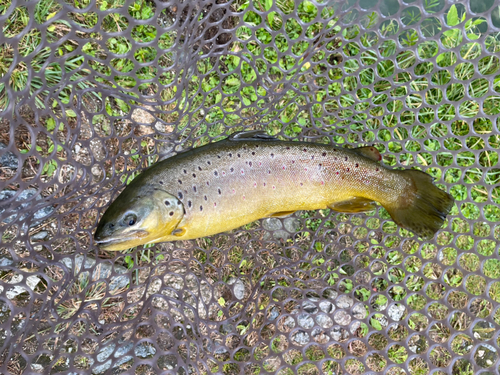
(300, 337)
(305, 321)
(122, 350)
(272, 224)
(324, 321)
(292, 224)
(339, 334)
(319, 336)
(396, 312)
(238, 287)
(344, 302)
(24, 196)
(273, 313)
(342, 317)
(288, 322)
(359, 311)
(8, 159)
(40, 236)
(281, 234)
(44, 212)
(326, 307)
(101, 271)
(105, 352)
(101, 368)
(144, 350)
(309, 307)
(32, 281)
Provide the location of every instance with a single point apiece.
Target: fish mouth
(115, 240)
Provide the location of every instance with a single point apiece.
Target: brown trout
(249, 176)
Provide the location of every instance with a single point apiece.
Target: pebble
(305, 321)
(300, 338)
(25, 195)
(324, 321)
(272, 224)
(40, 236)
(238, 288)
(8, 159)
(292, 224)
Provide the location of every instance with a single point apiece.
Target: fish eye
(130, 219)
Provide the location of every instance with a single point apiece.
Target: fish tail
(422, 208)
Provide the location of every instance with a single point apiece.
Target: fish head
(137, 218)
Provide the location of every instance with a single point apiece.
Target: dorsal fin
(252, 135)
(369, 152)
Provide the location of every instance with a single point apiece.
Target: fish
(251, 175)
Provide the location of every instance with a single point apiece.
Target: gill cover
(137, 217)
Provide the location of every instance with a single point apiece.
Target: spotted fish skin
(230, 183)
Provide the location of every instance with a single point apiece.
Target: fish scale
(227, 184)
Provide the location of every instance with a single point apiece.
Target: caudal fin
(423, 208)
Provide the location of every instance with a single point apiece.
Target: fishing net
(93, 92)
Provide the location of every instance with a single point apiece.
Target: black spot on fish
(208, 183)
(205, 197)
(167, 203)
(288, 147)
(218, 156)
(253, 152)
(199, 168)
(194, 175)
(180, 195)
(180, 182)
(269, 171)
(220, 192)
(347, 169)
(171, 213)
(250, 163)
(230, 155)
(161, 182)
(357, 165)
(272, 155)
(201, 208)
(189, 204)
(232, 169)
(194, 189)
(346, 158)
(215, 173)
(208, 162)
(305, 150)
(239, 155)
(324, 154)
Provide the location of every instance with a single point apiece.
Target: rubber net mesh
(93, 92)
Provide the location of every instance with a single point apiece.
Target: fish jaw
(133, 239)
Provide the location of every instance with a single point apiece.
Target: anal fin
(354, 205)
(281, 214)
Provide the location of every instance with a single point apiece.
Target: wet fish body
(227, 184)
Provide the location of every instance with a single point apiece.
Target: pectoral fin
(354, 205)
(281, 214)
(179, 232)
